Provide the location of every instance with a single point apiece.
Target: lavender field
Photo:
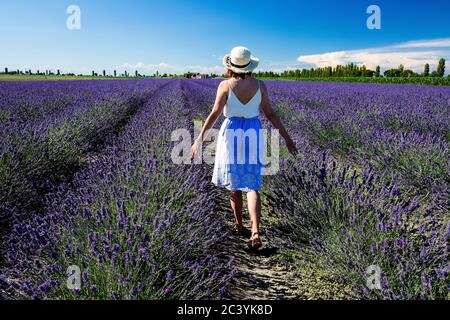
(87, 180)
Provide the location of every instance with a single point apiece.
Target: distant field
(412, 80)
(13, 77)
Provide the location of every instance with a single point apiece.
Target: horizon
(182, 36)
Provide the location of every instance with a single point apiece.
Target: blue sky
(176, 36)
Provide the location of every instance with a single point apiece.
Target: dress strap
(229, 89)
(259, 85)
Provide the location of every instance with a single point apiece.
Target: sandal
(255, 242)
(242, 231)
(236, 230)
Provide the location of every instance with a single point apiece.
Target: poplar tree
(441, 68)
(426, 70)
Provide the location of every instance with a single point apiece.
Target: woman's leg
(254, 208)
(236, 205)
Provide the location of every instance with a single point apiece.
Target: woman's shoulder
(262, 85)
(224, 83)
(224, 86)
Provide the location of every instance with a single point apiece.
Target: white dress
(240, 146)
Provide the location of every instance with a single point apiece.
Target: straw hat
(240, 60)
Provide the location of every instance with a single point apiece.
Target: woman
(239, 164)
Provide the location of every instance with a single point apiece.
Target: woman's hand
(291, 147)
(194, 149)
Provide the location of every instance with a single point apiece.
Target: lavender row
(370, 185)
(354, 121)
(38, 152)
(356, 221)
(24, 103)
(137, 225)
(401, 128)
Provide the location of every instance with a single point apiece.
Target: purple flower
(169, 275)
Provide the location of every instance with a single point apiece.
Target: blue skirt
(239, 157)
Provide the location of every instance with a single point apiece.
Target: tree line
(353, 70)
(114, 74)
(350, 70)
(59, 73)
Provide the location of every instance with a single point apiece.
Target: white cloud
(168, 68)
(434, 43)
(413, 55)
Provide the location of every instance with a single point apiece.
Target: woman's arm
(221, 100)
(275, 120)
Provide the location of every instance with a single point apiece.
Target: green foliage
(441, 68)
(426, 71)
(400, 72)
(353, 71)
(392, 73)
(350, 70)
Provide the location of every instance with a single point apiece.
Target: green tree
(408, 73)
(426, 70)
(441, 68)
(392, 73)
(377, 71)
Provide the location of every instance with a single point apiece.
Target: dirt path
(262, 276)
(259, 276)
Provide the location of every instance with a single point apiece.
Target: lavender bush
(49, 129)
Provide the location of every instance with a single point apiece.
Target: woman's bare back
(244, 89)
